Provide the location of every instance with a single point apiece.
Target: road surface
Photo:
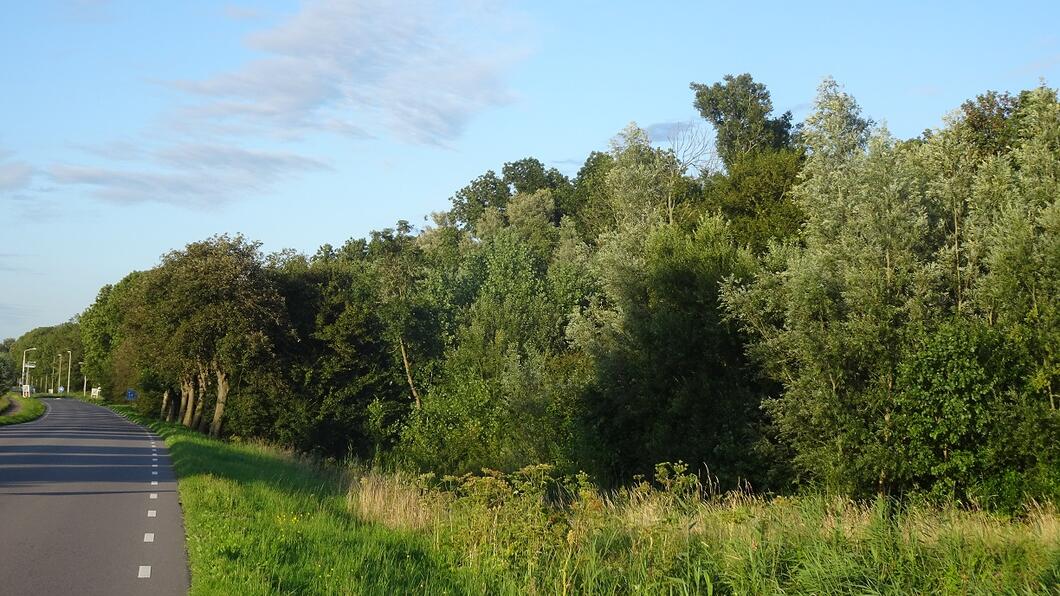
(88, 505)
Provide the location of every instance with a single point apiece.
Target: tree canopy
(834, 307)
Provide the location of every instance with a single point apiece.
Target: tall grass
(530, 533)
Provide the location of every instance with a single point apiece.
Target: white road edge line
(144, 573)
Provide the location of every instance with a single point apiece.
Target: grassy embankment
(260, 521)
(15, 409)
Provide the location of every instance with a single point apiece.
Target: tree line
(788, 305)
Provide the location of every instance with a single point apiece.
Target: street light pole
(69, 367)
(60, 377)
(84, 383)
(24, 363)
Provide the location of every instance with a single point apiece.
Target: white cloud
(355, 68)
(191, 175)
(422, 70)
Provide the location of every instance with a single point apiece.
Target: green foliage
(879, 326)
(754, 194)
(672, 378)
(108, 358)
(57, 356)
(833, 307)
(967, 417)
(739, 109)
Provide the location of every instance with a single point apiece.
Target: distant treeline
(779, 305)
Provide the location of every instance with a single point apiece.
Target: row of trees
(817, 303)
(57, 356)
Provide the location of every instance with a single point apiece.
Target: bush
(968, 424)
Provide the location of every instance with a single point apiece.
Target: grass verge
(21, 409)
(261, 521)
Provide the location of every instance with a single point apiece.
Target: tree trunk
(164, 412)
(174, 410)
(183, 401)
(189, 408)
(219, 408)
(408, 372)
(196, 418)
(199, 422)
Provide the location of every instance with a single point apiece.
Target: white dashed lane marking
(149, 537)
(151, 513)
(154, 483)
(155, 473)
(145, 572)
(154, 495)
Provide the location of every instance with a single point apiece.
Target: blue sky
(128, 129)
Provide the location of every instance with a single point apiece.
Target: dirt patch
(12, 408)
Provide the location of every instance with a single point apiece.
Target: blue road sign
(130, 395)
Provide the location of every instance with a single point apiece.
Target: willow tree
(915, 329)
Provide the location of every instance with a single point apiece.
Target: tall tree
(739, 108)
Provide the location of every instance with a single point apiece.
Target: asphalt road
(79, 511)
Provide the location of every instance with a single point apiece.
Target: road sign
(26, 390)
(130, 395)
(31, 365)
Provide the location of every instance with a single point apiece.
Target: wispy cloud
(358, 69)
(191, 175)
(361, 68)
(14, 175)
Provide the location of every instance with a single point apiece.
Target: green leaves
(739, 110)
(901, 328)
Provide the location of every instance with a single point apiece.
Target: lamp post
(59, 378)
(24, 363)
(84, 383)
(69, 367)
